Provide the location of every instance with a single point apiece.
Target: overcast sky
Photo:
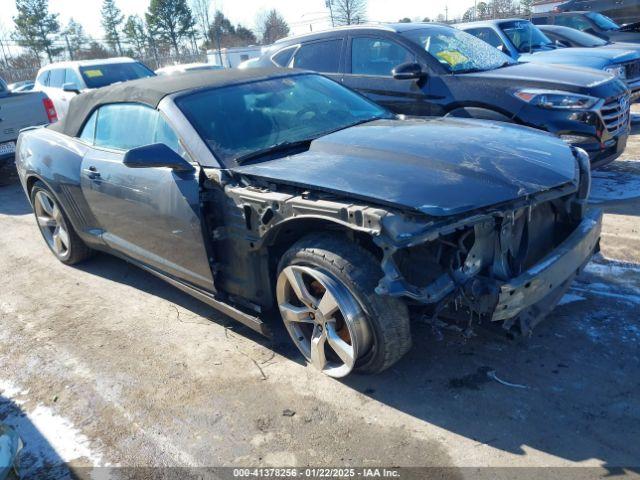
(298, 13)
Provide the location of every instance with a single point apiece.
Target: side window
(489, 36)
(283, 57)
(71, 77)
(376, 56)
(166, 135)
(128, 125)
(125, 126)
(573, 21)
(43, 78)
(88, 133)
(57, 78)
(319, 56)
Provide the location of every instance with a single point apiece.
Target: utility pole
(66, 39)
(218, 44)
(446, 14)
(475, 10)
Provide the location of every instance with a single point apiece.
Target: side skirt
(250, 321)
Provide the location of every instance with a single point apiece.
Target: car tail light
(50, 108)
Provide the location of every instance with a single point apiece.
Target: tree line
(168, 27)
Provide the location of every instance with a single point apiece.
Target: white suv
(63, 80)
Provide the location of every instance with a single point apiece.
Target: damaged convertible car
(266, 190)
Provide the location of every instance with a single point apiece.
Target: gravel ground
(104, 364)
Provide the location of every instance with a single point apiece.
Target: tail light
(50, 108)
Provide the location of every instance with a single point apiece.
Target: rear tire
(382, 332)
(55, 227)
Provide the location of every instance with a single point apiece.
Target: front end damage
(510, 263)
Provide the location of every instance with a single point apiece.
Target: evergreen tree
(75, 38)
(36, 27)
(135, 34)
(273, 27)
(112, 18)
(172, 21)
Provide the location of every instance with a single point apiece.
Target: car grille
(632, 70)
(615, 113)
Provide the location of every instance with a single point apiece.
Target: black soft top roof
(151, 90)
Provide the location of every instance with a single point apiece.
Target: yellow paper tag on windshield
(93, 73)
(452, 57)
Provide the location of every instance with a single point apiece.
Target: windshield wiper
(276, 148)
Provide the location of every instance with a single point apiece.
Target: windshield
(603, 21)
(457, 51)
(525, 36)
(240, 120)
(96, 76)
(581, 38)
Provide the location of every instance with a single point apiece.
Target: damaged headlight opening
(618, 71)
(556, 99)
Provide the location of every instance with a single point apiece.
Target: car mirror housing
(70, 87)
(155, 156)
(408, 71)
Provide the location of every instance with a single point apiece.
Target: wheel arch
(284, 234)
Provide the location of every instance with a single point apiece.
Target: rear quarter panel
(56, 160)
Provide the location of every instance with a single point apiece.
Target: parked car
(591, 22)
(426, 69)
(572, 38)
(186, 67)
(620, 11)
(64, 80)
(18, 111)
(23, 86)
(260, 188)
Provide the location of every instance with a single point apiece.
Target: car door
(370, 60)
(149, 214)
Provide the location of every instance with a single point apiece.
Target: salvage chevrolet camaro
(257, 189)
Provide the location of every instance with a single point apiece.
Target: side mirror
(70, 87)
(408, 71)
(156, 155)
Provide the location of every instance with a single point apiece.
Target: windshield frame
(411, 36)
(549, 43)
(608, 25)
(230, 162)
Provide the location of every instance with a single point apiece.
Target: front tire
(325, 293)
(55, 227)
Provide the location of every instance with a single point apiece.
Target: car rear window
(96, 76)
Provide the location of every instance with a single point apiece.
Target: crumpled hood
(583, 57)
(439, 166)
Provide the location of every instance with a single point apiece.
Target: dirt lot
(106, 365)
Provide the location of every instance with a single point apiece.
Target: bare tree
(201, 11)
(349, 12)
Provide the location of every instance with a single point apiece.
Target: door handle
(91, 172)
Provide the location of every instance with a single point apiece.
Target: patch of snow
(608, 186)
(570, 298)
(50, 440)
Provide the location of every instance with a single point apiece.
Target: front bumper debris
(552, 272)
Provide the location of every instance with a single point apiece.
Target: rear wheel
(55, 227)
(325, 293)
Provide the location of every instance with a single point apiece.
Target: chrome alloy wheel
(323, 318)
(52, 224)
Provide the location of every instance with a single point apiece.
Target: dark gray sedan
(261, 189)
